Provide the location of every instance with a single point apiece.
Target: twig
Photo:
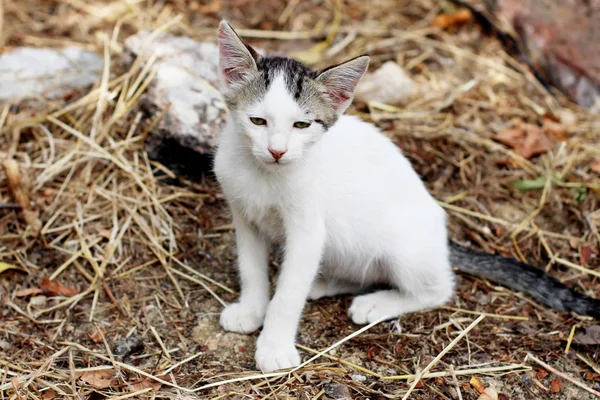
(456, 385)
(489, 315)
(126, 366)
(562, 375)
(160, 343)
(180, 363)
(442, 354)
(570, 339)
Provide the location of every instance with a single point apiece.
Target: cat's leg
(329, 288)
(247, 315)
(275, 348)
(423, 280)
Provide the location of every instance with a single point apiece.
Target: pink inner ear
(337, 96)
(230, 73)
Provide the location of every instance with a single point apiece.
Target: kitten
(340, 197)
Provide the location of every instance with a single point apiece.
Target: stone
(27, 73)
(389, 85)
(186, 84)
(562, 39)
(358, 378)
(337, 391)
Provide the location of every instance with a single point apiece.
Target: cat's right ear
(237, 60)
(340, 81)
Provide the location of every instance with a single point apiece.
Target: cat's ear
(341, 80)
(237, 60)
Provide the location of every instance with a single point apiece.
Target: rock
(358, 378)
(589, 335)
(337, 391)
(209, 333)
(562, 39)
(128, 345)
(187, 83)
(50, 73)
(388, 85)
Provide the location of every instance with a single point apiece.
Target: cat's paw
(242, 318)
(273, 355)
(371, 307)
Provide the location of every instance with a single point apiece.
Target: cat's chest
(264, 216)
(261, 203)
(269, 222)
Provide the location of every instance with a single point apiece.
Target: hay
(150, 255)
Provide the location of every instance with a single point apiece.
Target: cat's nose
(277, 154)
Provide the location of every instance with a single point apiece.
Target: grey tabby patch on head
(307, 86)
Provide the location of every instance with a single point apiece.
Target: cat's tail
(522, 277)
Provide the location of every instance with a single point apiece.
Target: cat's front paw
(242, 318)
(273, 355)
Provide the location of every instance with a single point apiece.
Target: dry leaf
(105, 233)
(52, 288)
(28, 292)
(527, 140)
(460, 17)
(96, 337)
(101, 379)
(49, 394)
(556, 385)
(488, 394)
(149, 383)
(586, 253)
(18, 189)
(542, 373)
(555, 130)
(5, 267)
(476, 383)
(595, 166)
(592, 375)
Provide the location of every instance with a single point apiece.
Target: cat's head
(279, 104)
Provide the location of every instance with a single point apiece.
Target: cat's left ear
(341, 80)
(237, 60)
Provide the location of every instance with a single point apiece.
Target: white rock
(51, 73)
(358, 378)
(388, 85)
(187, 82)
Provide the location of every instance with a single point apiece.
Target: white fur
(348, 208)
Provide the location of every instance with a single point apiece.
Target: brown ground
(149, 257)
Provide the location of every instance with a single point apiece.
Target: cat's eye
(258, 121)
(301, 124)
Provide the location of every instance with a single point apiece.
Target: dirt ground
(141, 261)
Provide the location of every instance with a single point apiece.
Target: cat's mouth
(277, 163)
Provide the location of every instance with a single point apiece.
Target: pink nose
(277, 154)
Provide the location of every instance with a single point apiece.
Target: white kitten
(346, 205)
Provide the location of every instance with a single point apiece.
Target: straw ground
(140, 261)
